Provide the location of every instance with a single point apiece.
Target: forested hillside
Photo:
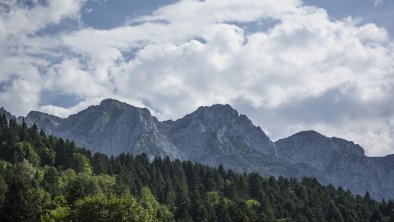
(218, 134)
(43, 178)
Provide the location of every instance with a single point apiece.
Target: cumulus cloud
(305, 71)
(22, 52)
(17, 18)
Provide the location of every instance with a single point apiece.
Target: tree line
(44, 178)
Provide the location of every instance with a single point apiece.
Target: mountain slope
(96, 187)
(219, 135)
(218, 129)
(111, 128)
(212, 135)
(46, 121)
(342, 162)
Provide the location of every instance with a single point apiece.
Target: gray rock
(342, 162)
(7, 114)
(111, 128)
(217, 129)
(219, 135)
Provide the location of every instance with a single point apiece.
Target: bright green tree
(100, 208)
(81, 164)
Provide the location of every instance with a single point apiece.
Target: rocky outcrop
(111, 128)
(48, 123)
(342, 162)
(218, 134)
(212, 135)
(7, 114)
(218, 129)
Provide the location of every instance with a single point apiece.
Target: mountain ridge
(218, 134)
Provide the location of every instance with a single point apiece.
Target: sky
(289, 65)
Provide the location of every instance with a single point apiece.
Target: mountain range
(218, 134)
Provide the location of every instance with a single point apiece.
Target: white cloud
(22, 53)
(196, 53)
(20, 20)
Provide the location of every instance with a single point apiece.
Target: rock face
(217, 130)
(342, 162)
(47, 122)
(219, 135)
(316, 150)
(111, 128)
(212, 135)
(7, 114)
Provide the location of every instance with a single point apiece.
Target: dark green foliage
(43, 178)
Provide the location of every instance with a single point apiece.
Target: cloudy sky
(289, 65)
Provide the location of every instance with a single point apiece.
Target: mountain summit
(112, 127)
(218, 134)
(213, 135)
(219, 128)
(342, 162)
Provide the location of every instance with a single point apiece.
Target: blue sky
(289, 65)
(379, 12)
(109, 14)
(112, 13)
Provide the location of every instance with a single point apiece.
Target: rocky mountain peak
(343, 162)
(218, 129)
(7, 114)
(218, 134)
(217, 116)
(38, 114)
(44, 121)
(219, 108)
(317, 142)
(112, 103)
(116, 107)
(348, 147)
(307, 135)
(116, 104)
(216, 111)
